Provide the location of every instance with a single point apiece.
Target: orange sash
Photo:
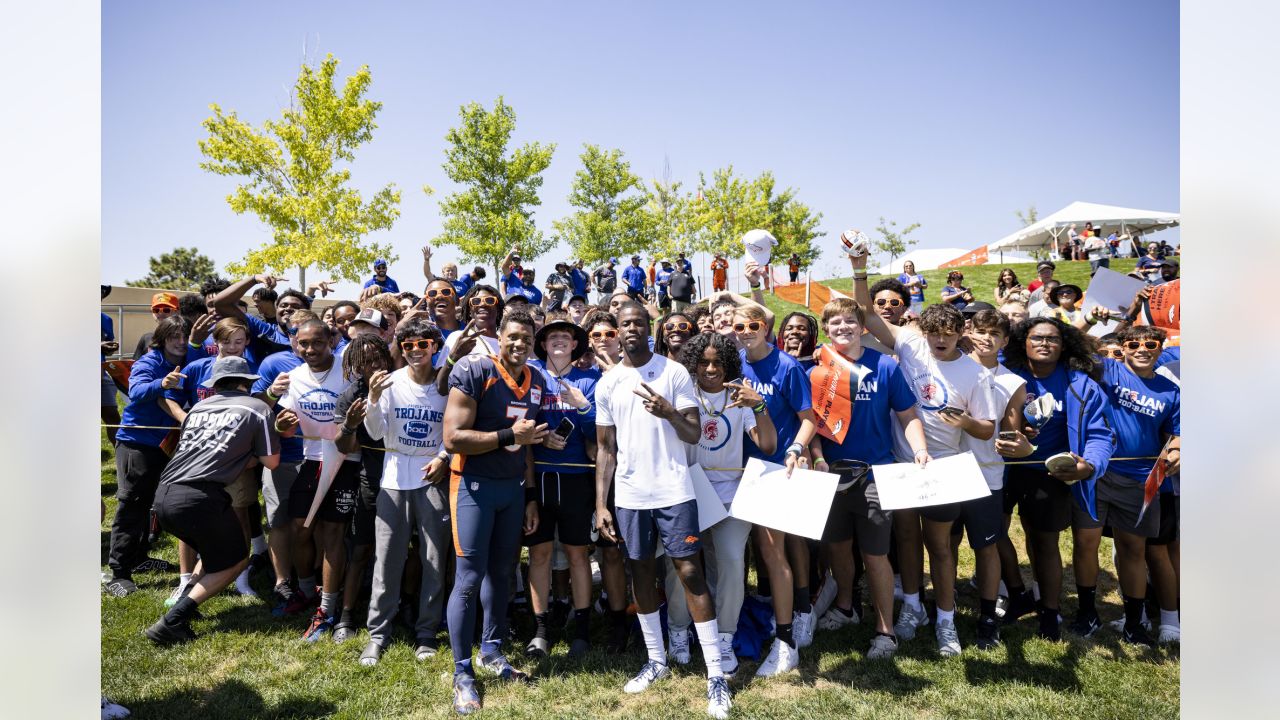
(833, 382)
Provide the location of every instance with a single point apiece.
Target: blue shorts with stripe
(676, 526)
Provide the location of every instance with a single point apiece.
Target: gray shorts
(1119, 500)
(276, 485)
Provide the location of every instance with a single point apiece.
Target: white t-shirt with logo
(720, 442)
(485, 345)
(1003, 385)
(652, 469)
(314, 397)
(409, 419)
(960, 383)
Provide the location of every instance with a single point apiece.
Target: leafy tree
(1029, 217)
(792, 223)
(611, 217)
(675, 221)
(893, 241)
(495, 210)
(181, 269)
(726, 209)
(293, 181)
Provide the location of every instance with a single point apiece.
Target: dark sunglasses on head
(407, 345)
(487, 301)
(753, 326)
(891, 302)
(1145, 344)
(1114, 353)
(440, 292)
(678, 326)
(606, 334)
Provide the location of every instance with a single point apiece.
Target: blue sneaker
(466, 699)
(320, 626)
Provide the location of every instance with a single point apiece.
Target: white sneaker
(678, 646)
(243, 587)
(728, 658)
(826, 596)
(948, 639)
(782, 658)
(112, 711)
(718, 698)
(882, 648)
(834, 619)
(909, 619)
(802, 626)
(1169, 634)
(1118, 623)
(648, 675)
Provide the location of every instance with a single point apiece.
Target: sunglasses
(606, 334)
(891, 302)
(162, 310)
(1044, 339)
(678, 327)
(1114, 353)
(486, 301)
(1144, 344)
(408, 345)
(753, 326)
(441, 292)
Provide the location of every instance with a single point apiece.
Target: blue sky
(953, 115)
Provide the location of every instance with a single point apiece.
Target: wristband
(758, 409)
(1091, 320)
(192, 345)
(530, 494)
(819, 460)
(506, 436)
(795, 449)
(753, 287)
(584, 410)
(273, 397)
(450, 361)
(860, 275)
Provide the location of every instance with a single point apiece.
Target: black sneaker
(260, 563)
(1049, 625)
(579, 648)
(1019, 606)
(281, 596)
(988, 634)
(1137, 636)
(154, 564)
(1086, 624)
(120, 587)
(162, 633)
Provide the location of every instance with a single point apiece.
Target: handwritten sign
(947, 480)
(798, 505)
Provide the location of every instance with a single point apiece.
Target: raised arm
(426, 264)
(879, 329)
(225, 302)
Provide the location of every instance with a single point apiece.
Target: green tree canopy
(293, 181)
(792, 223)
(727, 208)
(181, 269)
(494, 210)
(893, 241)
(611, 217)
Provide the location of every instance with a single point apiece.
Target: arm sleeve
(264, 330)
(682, 385)
(145, 379)
(468, 376)
(266, 441)
(1099, 440)
(266, 375)
(982, 400)
(392, 287)
(1173, 423)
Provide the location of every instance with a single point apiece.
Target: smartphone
(1009, 435)
(949, 410)
(564, 428)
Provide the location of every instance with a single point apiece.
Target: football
(855, 242)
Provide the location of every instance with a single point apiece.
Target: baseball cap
(379, 261)
(515, 298)
(164, 299)
(613, 260)
(1046, 264)
(371, 316)
(229, 367)
(974, 308)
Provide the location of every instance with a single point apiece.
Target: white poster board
(710, 509)
(331, 460)
(907, 485)
(1113, 291)
(798, 505)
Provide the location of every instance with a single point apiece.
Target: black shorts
(856, 512)
(201, 516)
(339, 502)
(566, 508)
(1043, 501)
(1170, 519)
(366, 511)
(1118, 501)
(982, 517)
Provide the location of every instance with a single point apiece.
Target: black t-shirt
(370, 460)
(606, 280)
(219, 436)
(681, 286)
(144, 345)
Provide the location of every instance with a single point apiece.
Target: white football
(855, 242)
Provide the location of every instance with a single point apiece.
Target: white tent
(924, 259)
(1051, 230)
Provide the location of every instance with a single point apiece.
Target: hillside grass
(247, 664)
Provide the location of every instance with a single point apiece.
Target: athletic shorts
(982, 517)
(856, 512)
(1043, 501)
(1170, 519)
(675, 526)
(277, 486)
(566, 508)
(108, 391)
(366, 512)
(477, 504)
(339, 502)
(201, 516)
(1118, 501)
(244, 489)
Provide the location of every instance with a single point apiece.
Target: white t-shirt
(485, 345)
(1004, 385)
(314, 397)
(959, 383)
(653, 469)
(720, 443)
(409, 419)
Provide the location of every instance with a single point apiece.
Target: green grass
(247, 664)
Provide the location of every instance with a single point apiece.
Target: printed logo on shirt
(319, 404)
(866, 388)
(417, 429)
(1139, 403)
(535, 394)
(930, 391)
(711, 432)
(765, 389)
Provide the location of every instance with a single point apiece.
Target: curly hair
(360, 352)
(306, 301)
(811, 331)
(464, 305)
(660, 332)
(387, 304)
(418, 327)
(1077, 348)
(892, 285)
(213, 286)
(941, 320)
(726, 354)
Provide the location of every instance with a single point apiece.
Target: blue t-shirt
(785, 388)
(634, 276)
(1052, 438)
(272, 366)
(578, 279)
(512, 282)
(952, 295)
(193, 390)
(265, 337)
(1141, 412)
(531, 292)
(917, 293)
(144, 408)
(1168, 355)
(387, 284)
(662, 279)
(554, 409)
(884, 390)
(463, 284)
(108, 331)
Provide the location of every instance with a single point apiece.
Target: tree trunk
(302, 278)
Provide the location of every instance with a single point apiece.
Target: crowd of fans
(405, 447)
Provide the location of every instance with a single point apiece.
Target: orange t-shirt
(793, 265)
(719, 270)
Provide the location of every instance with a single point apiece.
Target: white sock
(709, 639)
(183, 580)
(259, 544)
(947, 615)
(1169, 618)
(651, 626)
(1035, 590)
(242, 583)
(913, 600)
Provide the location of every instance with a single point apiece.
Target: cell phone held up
(564, 429)
(952, 411)
(1009, 435)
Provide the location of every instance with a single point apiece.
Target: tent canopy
(1105, 218)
